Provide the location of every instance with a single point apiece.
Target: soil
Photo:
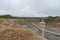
(9, 30)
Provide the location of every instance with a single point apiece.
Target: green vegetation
(5, 16)
(33, 19)
(14, 17)
(50, 19)
(8, 16)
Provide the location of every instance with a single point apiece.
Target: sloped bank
(11, 31)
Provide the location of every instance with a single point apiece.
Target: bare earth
(9, 30)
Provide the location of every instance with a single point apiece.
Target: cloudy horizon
(30, 8)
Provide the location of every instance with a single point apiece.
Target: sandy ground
(11, 31)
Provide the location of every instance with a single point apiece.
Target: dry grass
(11, 34)
(15, 31)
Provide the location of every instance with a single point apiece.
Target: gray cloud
(30, 8)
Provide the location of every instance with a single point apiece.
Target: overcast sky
(30, 8)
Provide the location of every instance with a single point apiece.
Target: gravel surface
(49, 36)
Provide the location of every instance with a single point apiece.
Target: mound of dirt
(9, 30)
(11, 34)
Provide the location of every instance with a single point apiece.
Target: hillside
(9, 30)
(26, 19)
(56, 22)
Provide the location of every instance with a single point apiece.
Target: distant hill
(9, 16)
(6, 16)
(26, 19)
(56, 22)
(50, 19)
